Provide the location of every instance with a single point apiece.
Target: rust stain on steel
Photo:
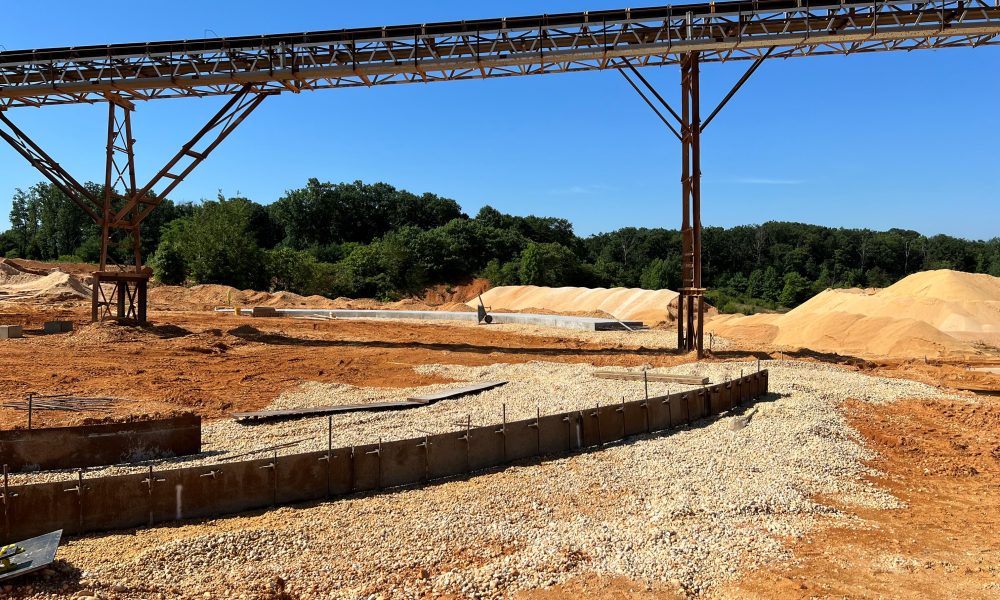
(96, 445)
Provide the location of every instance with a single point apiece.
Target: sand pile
(443, 294)
(630, 304)
(934, 313)
(54, 285)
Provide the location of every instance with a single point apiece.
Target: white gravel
(689, 509)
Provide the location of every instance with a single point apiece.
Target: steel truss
(119, 284)
(490, 48)
(249, 68)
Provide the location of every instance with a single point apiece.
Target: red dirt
(215, 364)
(943, 459)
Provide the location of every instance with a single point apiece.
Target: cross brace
(123, 206)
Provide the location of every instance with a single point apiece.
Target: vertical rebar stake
(6, 496)
(645, 381)
(30, 405)
(329, 455)
(503, 431)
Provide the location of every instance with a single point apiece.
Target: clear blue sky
(885, 140)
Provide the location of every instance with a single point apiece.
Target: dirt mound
(934, 313)
(18, 282)
(629, 304)
(445, 294)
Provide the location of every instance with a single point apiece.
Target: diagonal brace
(192, 153)
(48, 167)
(651, 105)
(756, 63)
(652, 89)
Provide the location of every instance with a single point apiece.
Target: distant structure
(248, 69)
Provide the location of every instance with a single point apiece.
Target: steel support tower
(249, 68)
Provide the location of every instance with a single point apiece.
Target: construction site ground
(907, 509)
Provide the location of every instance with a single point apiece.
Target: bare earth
(940, 457)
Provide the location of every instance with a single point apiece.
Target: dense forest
(372, 240)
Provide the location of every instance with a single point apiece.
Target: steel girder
(491, 48)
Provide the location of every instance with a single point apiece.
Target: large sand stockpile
(18, 282)
(627, 304)
(934, 313)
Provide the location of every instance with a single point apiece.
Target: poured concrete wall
(96, 445)
(125, 501)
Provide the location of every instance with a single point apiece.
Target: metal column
(691, 302)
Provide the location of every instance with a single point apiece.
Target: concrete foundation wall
(97, 445)
(136, 500)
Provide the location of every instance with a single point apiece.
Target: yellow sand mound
(20, 283)
(629, 304)
(934, 313)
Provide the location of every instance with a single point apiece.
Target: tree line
(373, 240)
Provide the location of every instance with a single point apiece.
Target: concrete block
(9, 332)
(265, 311)
(58, 326)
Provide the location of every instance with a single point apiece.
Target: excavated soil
(216, 364)
(942, 458)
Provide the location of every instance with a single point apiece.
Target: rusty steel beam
(490, 48)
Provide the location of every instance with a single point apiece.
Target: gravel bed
(690, 509)
(533, 387)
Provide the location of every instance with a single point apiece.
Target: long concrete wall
(135, 500)
(558, 321)
(103, 444)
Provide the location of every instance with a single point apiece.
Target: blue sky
(884, 140)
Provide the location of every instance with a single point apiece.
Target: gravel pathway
(690, 509)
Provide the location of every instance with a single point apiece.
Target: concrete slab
(58, 326)
(10, 332)
(558, 321)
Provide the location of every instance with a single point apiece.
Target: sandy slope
(648, 306)
(933, 313)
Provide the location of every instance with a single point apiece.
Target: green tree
(795, 290)
(550, 264)
(218, 245)
(168, 264)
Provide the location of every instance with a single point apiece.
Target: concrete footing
(10, 332)
(559, 321)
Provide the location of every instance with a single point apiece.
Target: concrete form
(133, 500)
(560, 321)
(9, 332)
(96, 445)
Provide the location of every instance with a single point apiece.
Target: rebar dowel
(645, 381)
(6, 496)
(30, 406)
(503, 430)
